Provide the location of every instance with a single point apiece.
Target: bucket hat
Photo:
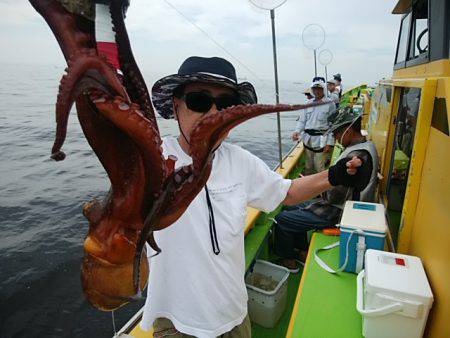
(342, 117)
(318, 84)
(213, 70)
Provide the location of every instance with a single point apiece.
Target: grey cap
(318, 84)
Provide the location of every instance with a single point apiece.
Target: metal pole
(277, 93)
(315, 64)
(326, 79)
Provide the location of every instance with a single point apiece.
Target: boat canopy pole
(277, 92)
(315, 63)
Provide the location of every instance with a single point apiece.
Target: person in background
(337, 77)
(333, 93)
(292, 224)
(311, 125)
(308, 94)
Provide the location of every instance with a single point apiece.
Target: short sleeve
(265, 188)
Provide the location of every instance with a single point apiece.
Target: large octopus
(119, 123)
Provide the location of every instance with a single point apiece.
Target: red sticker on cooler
(400, 261)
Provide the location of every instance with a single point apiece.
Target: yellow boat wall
(367, 104)
(425, 217)
(427, 234)
(380, 117)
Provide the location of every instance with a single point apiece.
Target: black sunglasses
(202, 102)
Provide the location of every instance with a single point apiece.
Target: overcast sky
(361, 34)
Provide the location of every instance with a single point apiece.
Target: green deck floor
(280, 329)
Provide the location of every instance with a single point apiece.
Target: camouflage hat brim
(162, 90)
(342, 117)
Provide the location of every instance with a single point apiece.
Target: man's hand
(295, 136)
(327, 149)
(353, 164)
(350, 172)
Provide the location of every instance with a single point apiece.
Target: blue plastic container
(363, 226)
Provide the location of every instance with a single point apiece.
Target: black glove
(337, 174)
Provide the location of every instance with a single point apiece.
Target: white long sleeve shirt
(334, 96)
(316, 118)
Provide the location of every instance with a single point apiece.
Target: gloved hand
(338, 174)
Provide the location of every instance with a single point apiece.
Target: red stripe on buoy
(110, 51)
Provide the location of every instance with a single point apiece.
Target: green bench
(326, 304)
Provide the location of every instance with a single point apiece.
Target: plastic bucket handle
(381, 311)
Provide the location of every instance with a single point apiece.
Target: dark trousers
(291, 229)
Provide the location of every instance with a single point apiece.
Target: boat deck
(325, 303)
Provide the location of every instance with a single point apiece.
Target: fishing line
(113, 323)
(212, 39)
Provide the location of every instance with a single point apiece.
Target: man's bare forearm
(306, 188)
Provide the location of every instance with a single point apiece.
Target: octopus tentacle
(133, 78)
(81, 64)
(120, 157)
(210, 130)
(65, 27)
(130, 120)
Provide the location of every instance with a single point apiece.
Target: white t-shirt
(204, 294)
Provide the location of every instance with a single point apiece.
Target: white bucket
(266, 299)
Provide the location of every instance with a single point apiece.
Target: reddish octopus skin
(146, 193)
(136, 169)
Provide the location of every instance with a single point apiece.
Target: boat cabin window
(419, 30)
(403, 38)
(405, 130)
(413, 41)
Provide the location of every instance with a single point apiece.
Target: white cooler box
(393, 296)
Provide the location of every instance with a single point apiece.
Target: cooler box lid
(396, 273)
(364, 216)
